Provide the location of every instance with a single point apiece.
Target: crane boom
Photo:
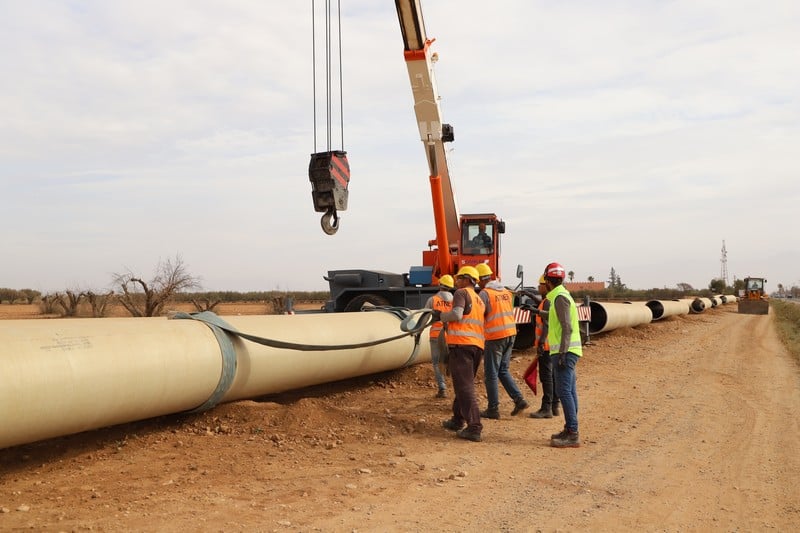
(461, 239)
(432, 130)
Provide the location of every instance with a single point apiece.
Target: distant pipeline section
(607, 316)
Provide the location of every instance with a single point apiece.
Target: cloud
(633, 135)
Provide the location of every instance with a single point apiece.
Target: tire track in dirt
(690, 423)
(673, 433)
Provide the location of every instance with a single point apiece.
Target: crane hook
(330, 222)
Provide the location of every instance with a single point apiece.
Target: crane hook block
(329, 173)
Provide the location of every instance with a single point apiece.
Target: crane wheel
(356, 303)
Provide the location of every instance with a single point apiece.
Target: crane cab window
(754, 285)
(478, 238)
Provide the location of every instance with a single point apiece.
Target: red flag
(530, 374)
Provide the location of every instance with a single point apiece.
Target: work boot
(519, 406)
(544, 412)
(491, 412)
(441, 394)
(569, 440)
(556, 410)
(559, 435)
(468, 434)
(452, 425)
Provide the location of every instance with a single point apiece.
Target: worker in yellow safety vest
(566, 350)
(501, 331)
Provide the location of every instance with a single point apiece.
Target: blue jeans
(566, 383)
(440, 382)
(497, 356)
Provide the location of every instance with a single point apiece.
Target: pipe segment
(65, 376)
(607, 316)
(707, 303)
(665, 308)
(696, 305)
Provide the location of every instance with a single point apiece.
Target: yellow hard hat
(469, 271)
(447, 281)
(541, 280)
(483, 270)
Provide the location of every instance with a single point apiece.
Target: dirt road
(687, 424)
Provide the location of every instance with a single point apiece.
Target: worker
(482, 239)
(564, 338)
(501, 330)
(549, 407)
(441, 301)
(465, 344)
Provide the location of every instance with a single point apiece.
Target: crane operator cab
(480, 236)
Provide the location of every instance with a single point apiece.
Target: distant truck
(753, 299)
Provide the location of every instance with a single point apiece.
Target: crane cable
(328, 73)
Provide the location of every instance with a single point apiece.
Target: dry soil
(690, 423)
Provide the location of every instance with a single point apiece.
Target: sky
(628, 134)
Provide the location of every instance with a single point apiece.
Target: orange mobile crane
(461, 239)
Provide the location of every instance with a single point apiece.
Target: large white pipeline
(607, 316)
(665, 308)
(708, 303)
(696, 305)
(64, 376)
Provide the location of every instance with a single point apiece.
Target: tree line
(172, 282)
(141, 297)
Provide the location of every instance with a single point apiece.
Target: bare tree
(205, 304)
(30, 295)
(9, 295)
(571, 275)
(48, 304)
(147, 298)
(68, 301)
(98, 302)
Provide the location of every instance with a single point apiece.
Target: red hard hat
(554, 270)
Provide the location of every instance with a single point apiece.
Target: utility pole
(723, 274)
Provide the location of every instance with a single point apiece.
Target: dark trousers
(548, 378)
(464, 364)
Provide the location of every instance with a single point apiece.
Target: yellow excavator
(753, 299)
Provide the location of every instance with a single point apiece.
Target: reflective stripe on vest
(540, 328)
(440, 305)
(500, 321)
(555, 332)
(468, 330)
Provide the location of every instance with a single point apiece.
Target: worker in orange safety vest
(501, 331)
(465, 342)
(442, 301)
(549, 407)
